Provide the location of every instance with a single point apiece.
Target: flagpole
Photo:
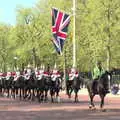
(74, 42)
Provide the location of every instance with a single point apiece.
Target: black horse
(8, 86)
(99, 88)
(18, 85)
(42, 88)
(30, 87)
(74, 85)
(55, 88)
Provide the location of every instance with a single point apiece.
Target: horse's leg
(8, 91)
(30, 94)
(38, 95)
(91, 95)
(24, 93)
(42, 95)
(13, 90)
(17, 91)
(91, 101)
(20, 93)
(76, 94)
(46, 92)
(57, 96)
(67, 89)
(70, 92)
(33, 94)
(37, 92)
(51, 94)
(1, 90)
(102, 96)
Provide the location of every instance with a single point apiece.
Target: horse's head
(47, 79)
(32, 76)
(57, 81)
(106, 77)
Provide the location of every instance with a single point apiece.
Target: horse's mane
(103, 78)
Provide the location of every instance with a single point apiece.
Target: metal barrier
(115, 79)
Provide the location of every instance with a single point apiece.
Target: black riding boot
(94, 84)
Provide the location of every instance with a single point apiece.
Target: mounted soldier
(36, 72)
(14, 74)
(17, 75)
(1, 81)
(73, 74)
(27, 73)
(98, 71)
(40, 73)
(55, 84)
(73, 83)
(9, 74)
(46, 74)
(1, 75)
(55, 74)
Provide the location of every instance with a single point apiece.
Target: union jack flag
(60, 22)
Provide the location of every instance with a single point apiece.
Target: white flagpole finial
(55, 66)
(43, 66)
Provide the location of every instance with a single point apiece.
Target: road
(65, 110)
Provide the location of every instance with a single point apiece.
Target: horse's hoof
(94, 108)
(90, 106)
(76, 101)
(58, 100)
(103, 110)
(69, 97)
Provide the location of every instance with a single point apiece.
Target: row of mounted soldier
(39, 73)
(40, 81)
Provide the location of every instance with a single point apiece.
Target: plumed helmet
(55, 66)
(28, 66)
(36, 68)
(43, 67)
(8, 69)
(72, 69)
(17, 69)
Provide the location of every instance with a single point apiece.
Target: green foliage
(97, 26)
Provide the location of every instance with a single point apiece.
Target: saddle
(95, 87)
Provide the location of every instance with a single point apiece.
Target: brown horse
(100, 88)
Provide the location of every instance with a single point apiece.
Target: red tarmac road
(65, 110)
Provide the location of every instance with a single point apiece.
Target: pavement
(11, 109)
(84, 91)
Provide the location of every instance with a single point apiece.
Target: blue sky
(8, 7)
